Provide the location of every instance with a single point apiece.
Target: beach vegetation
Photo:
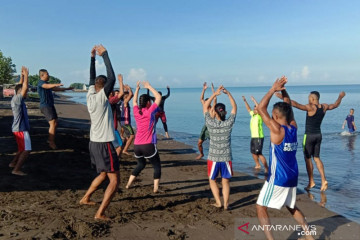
(33, 79)
(7, 69)
(77, 85)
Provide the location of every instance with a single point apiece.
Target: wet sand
(44, 204)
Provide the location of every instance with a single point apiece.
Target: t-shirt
(256, 123)
(145, 125)
(46, 95)
(350, 120)
(21, 119)
(220, 138)
(283, 168)
(113, 102)
(102, 123)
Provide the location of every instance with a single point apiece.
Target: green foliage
(33, 95)
(33, 79)
(7, 68)
(77, 85)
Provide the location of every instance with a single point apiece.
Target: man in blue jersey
(280, 186)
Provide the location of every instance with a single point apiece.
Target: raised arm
(21, 75)
(168, 92)
(275, 128)
(129, 96)
(157, 95)
(109, 85)
(203, 93)
(254, 101)
(92, 67)
(25, 82)
(136, 94)
(337, 102)
(121, 86)
(295, 104)
(151, 97)
(286, 98)
(207, 102)
(248, 108)
(51, 85)
(232, 101)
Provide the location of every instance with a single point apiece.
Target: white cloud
(136, 74)
(305, 72)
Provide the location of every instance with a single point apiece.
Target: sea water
(339, 153)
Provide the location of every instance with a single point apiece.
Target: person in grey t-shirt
(20, 126)
(102, 151)
(219, 158)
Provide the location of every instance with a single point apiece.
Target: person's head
(255, 110)
(314, 97)
(44, 75)
(144, 102)
(100, 82)
(282, 113)
(351, 111)
(220, 111)
(18, 89)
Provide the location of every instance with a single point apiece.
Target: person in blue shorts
(350, 121)
(280, 187)
(220, 156)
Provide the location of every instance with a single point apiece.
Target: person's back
(21, 120)
(102, 123)
(256, 123)
(313, 123)
(145, 124)
(283, 169)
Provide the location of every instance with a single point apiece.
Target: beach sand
(45, 203)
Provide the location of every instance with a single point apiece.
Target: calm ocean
(340, 154)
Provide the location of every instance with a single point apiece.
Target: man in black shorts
(102, 151)
(45, 90)
(312, 138)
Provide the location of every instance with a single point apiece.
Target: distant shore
(44, 204)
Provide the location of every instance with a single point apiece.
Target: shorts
(311, 145)
(117, 142)
(214, 168)
(204, 135)
(23, 141)
(145, 150)
(49, 113)
(128, 130)
(161, 115)
(351, 130)
(256, 145)
(103, 157)
(273, 196)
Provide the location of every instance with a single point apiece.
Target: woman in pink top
(145, 137)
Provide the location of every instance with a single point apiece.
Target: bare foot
(12, 165)
(228, 208)
(19, 173)
(167, 135)
(218, 205)
(127, 186)
(159, 191)
(102, 218)
(52, 145)
(309, 186)
(85, 201)
(324, 186)
(126, 153)
(199, 157)
(257, 167)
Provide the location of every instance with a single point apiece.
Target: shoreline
(58, 178)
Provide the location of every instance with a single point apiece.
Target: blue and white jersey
(283, 169)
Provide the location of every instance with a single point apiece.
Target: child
(219, 158)
(350, 121)
(257, 135)
(280, 186)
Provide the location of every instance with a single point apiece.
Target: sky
(183, 43)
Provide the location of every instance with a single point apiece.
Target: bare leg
(310, 172)
(299, 217)
(109, 194)
(131, 180)
(264, 220)
(118, 151)
(216, 193)
(256, 159)
(320, 167)
(226, 191)
(201, 150)
(52, 131)
(17, 169)
(263, 160)
(156, 185)
(15, 160)
(94, 185)
(128, 143)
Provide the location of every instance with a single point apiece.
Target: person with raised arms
(126, 128)
(280, 187)
(220, 154)
(145, 137)
(102, 152)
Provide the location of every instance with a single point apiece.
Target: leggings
(147, 151)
